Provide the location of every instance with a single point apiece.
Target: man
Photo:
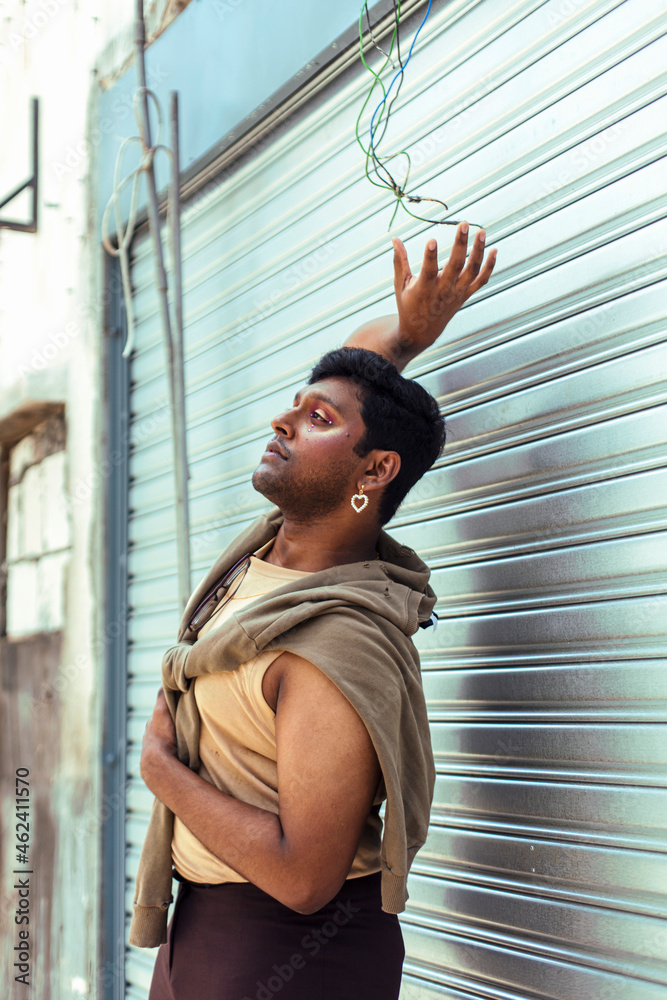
(297, 696)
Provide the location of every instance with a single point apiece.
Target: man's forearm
(384, 336)
(248, 839)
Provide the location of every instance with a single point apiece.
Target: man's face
(309, 468)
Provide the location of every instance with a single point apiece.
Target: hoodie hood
(394, 587)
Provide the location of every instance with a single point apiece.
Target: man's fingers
(430, 263)
(477, 253)
(457, 257)
(484, 274)
(402, 273)
(471, 270)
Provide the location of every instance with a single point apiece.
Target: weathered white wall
(51, 338)
(38, 540)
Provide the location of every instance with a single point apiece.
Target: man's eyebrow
(323, 398)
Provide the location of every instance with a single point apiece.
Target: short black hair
(399, 414)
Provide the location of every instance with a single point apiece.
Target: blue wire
(401, 70)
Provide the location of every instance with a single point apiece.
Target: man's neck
(314, 546)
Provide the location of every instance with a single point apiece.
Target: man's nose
(282, 425)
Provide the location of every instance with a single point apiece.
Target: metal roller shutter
(544, 873)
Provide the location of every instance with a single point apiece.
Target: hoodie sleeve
(153, 882)
(179, 693)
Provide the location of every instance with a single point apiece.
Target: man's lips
(276, 449)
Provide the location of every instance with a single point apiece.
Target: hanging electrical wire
(376, 165)
(125, 234)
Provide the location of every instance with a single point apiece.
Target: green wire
(369, 153)
(376, 80)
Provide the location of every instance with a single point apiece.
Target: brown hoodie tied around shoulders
(354, 623)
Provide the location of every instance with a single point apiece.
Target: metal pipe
(35, 160)
(177, 409)
(179, 359)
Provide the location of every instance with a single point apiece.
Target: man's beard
(305, 495)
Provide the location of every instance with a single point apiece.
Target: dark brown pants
(235, 942)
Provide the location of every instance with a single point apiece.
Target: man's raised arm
(426, 303)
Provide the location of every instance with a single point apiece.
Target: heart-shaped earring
(363, 501)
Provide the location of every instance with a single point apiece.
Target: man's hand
(159, 740)
(426, 303)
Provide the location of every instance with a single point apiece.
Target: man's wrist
(404, 337)
(158, 764)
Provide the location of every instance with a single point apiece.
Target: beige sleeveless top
(237, 741)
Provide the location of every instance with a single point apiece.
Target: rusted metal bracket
(33, 183)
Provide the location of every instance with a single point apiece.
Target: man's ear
(381, 468)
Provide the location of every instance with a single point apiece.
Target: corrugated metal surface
(544, 874)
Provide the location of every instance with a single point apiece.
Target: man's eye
(318, 415)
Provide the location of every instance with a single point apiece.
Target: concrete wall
(52, 436)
